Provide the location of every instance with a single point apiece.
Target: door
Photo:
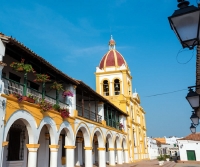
(191, 155)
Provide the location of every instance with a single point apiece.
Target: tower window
(116, 87)
(105, 88)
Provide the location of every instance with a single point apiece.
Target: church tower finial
(111, 43)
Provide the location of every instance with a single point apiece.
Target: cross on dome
(111, 43)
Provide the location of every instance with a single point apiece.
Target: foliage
(33, 97)
(45, 105)
(161, 158)
(22, 67)
(42, 78)
(57, 86)
(166, 156)
(64, 113)
(18, 96)
(121, 126)
(67, 93)
(56, 107)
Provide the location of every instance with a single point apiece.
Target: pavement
(186, 165)
(154, 163)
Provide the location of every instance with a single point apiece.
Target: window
(134, 139)
(14, 77)
(105, 88)
(34, 85)
(116, 87)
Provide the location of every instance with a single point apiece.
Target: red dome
(112, 58)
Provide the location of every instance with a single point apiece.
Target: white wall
(152, 148)
(2, 116)
(185, 145)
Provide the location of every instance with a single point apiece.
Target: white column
(70, 155)
(88, 157)
(54, 155)
(101, 109)
(102, 157)
(111, 156)
(119, 156)
(4, 144)
(80, 153)
(126, 156)
(71, 101)
(32, 155)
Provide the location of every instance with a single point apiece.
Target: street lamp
(185, 24)
(193, 128)
(194, 118)
(193, 98)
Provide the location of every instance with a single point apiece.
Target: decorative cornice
(70, 147)
(5, 143)
(32, 145)
(87, 148)
(101, 149)
(111, 149)
(54, 146)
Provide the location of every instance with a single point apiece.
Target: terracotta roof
(193, 136)
(8, 39)
(161, 140)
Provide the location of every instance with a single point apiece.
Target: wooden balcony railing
(88, 114)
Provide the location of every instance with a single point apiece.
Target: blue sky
(74, 35)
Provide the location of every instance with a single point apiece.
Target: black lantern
(185, 24)
(193, 128)
(194, 118)
(193, 98)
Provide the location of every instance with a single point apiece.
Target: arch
(109, 136)
(105, 87)
(124, 142)
(100, 136)
(86, 134)
(49, 122)
(116, 139)
(116, 86)
(69, 131)
(27, 119)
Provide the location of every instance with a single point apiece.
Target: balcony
(83, 112)
(11, 87)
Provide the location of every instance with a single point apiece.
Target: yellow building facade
(114, 82)
(43, 126)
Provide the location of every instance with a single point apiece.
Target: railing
(11, 87)
(88, 114)
(34, 93)
(50, 99)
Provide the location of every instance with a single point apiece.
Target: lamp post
(185, 22)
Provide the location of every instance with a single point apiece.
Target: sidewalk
(147, 163)
(187, 165)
